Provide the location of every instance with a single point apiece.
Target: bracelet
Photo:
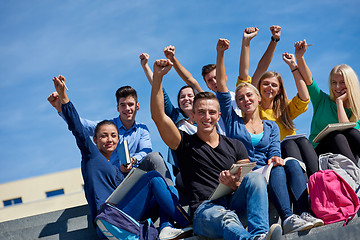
(274, 40)
(294, 69)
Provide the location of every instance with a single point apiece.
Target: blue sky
(96, 45)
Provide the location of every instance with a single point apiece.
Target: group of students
(207, 133)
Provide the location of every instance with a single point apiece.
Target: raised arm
(221, 47)
(85, 144)
(144, 58)
(54, 100)
(303, 92)
(185, 75)
(265, 60)
(166, 127)
(249, 33)
(300, 49)
(59, 83)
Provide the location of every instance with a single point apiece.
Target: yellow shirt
(296, 107)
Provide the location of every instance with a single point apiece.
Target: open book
(333, 127)
(265, 170)
(222, 189)
(125, 186)
(123, 153)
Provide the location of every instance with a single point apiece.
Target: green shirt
(325, 111)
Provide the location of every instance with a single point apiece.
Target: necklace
(253, 130)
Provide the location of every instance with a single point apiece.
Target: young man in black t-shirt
(204, 159)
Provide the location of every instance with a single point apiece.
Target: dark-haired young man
(204, 159)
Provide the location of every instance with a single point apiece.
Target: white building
(41, 194)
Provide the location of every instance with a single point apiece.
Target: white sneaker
(170, 233)
(295, 223)
(317, 222)
(274, 233)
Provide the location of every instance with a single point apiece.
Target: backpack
(115, 224)
(332, 198)
(342, 165)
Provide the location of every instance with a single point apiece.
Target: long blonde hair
(280, 105)
(353, 88)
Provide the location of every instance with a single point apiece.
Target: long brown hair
(280, 105)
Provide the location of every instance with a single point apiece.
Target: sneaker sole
(302, 228)
(186, 234)
(275, 232)
(318, 224)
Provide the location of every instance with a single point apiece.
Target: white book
(333, 127)
(123, 153)
(222, 189)
(265, 170)
(125, 186)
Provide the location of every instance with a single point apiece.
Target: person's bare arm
(303, 92)
(249, 33)
(221, 79)
(166, 127)
(265, 60)
(342, 117)
(144, 58)
(300, 49)
(185, 75)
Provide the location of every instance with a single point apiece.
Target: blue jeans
(221, 218)
(288, 182)
(151, 197)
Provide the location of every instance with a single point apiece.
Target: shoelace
(294, 217)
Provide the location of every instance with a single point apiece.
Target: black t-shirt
(200, 164)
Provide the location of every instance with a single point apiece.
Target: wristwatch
(274, 39)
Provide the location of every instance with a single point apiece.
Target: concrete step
(75, 223)
(71, 223)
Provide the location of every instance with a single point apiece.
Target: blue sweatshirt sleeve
(274, 141)
(225, 106)
(83, 141)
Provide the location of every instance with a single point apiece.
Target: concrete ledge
(75, 223)
(333, 231)
(71, 223)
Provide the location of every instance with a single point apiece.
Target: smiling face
(247, 100)
(269, 88)
(338, 86)
(106, 139)
(186, 99)
(127, 107)
(206, 114)
(210, 80)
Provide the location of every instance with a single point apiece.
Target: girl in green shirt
(340, 106)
